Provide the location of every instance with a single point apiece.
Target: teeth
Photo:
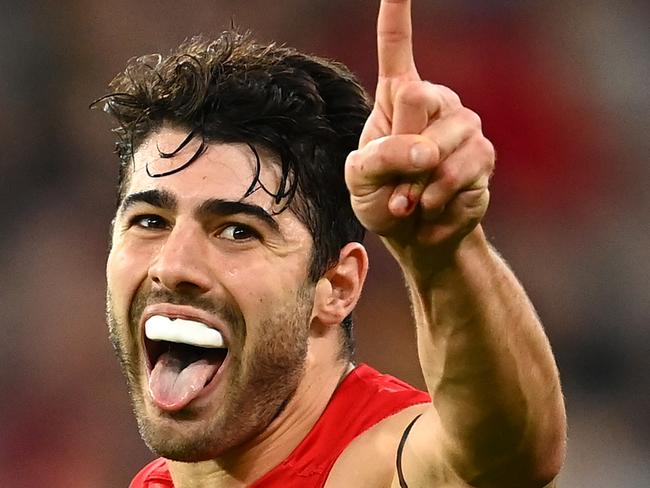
(161, 328)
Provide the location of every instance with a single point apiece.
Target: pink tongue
(173, 386)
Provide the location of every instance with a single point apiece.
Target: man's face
(186, 246)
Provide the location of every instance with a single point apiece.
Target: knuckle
(471, 119)
(352, 160)
(354, 164)
(487, 149)
(348, 169)
(412, 93)
(450, 96)
(449, 178)
(482, 146)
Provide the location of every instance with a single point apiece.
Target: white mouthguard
(161, 328)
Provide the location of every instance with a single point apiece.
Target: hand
(420, 176)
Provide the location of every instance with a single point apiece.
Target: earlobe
(338, 291)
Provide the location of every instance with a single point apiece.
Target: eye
(237, 232)
(149, 221)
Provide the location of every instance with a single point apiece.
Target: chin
(182, 442)
(186, 452)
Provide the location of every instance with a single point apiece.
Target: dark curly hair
(307, 110)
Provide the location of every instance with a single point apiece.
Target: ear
(338, 291)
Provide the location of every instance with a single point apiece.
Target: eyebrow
(221, 208)
(156, 198)
(213, 207)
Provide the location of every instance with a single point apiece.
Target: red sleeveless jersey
(364, 398)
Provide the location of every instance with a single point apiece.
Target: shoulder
(370, 459)
(365, 385)
(367, 397)
(390, 405)
(364, 399)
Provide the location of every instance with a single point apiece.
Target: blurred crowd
(562, 88)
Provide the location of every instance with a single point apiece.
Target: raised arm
(420, 180)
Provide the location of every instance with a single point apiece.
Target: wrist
(426, 268)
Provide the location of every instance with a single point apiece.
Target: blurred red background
(563, 94)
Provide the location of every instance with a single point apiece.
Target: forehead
(223, 170)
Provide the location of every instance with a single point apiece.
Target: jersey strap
(400, 448)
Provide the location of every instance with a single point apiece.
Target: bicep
(430, 458)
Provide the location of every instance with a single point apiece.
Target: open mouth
(183, 357)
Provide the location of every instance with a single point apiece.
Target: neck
(250, 461)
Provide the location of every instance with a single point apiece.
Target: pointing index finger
(394, 38)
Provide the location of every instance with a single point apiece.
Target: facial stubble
(262, 377)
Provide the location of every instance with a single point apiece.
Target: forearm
(488, 367)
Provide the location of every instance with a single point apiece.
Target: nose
(182, 264)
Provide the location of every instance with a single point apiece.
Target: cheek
(265, 291)
(247, 283)
(126, 269)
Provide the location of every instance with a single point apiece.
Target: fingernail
(398, 204)
(421, 154)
